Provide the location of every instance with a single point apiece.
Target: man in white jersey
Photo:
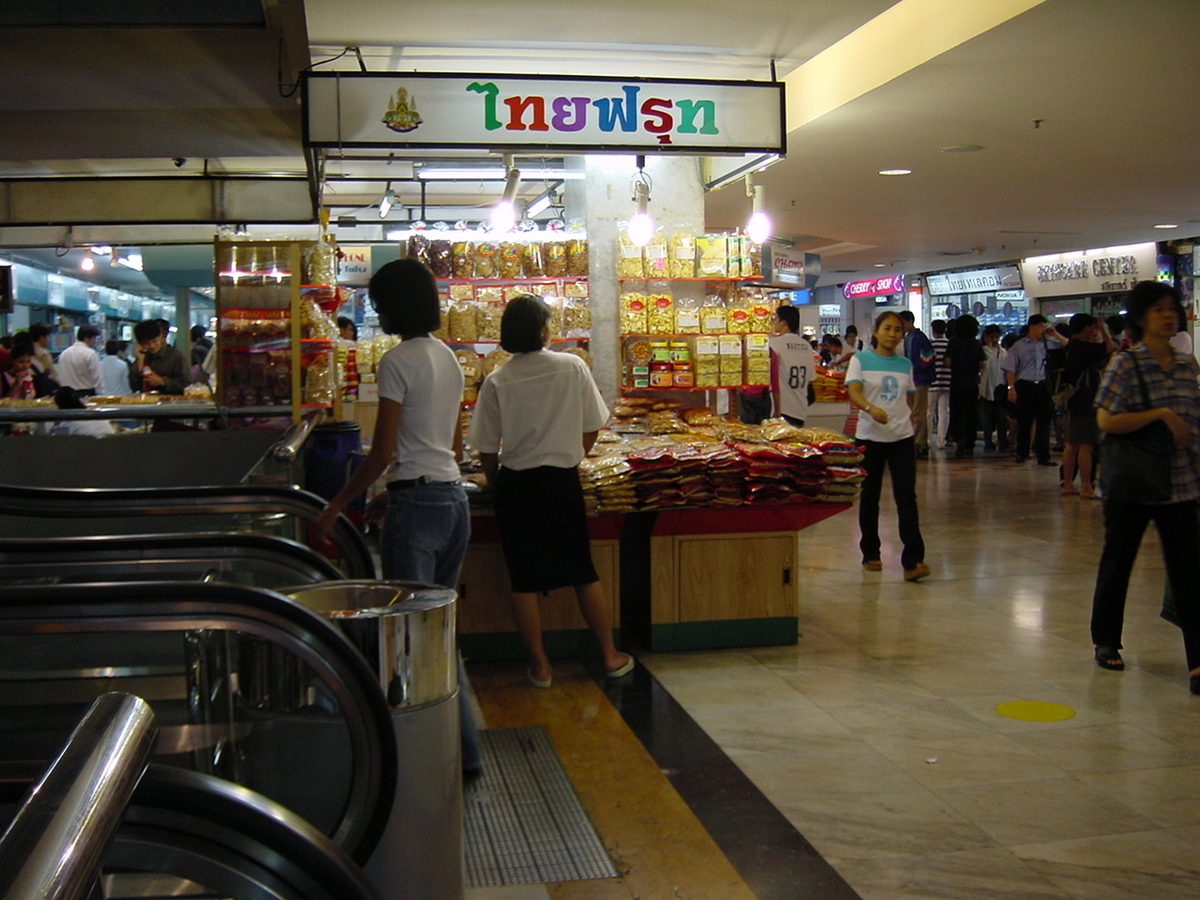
(793, 363)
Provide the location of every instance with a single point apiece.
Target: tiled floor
(877, 737)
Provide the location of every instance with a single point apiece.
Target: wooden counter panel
(736, 577)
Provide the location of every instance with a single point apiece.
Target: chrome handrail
(54, 845)
(288, 448)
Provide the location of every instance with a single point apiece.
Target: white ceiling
(1111, 83)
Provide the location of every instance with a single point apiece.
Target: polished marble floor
(877, 736)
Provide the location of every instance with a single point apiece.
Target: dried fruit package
(630, 262)
(681, 256)
(554, 257)
(532, 265)
(418, 248)
(660, 308)
(485, 259)
(509, 260)
(577, 257)
(712, 256)
(633, 311)
(462, 259)
(439, 259)
(462, 325)
(655, 257)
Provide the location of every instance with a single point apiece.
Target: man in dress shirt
(1025, 372)
(79, 364)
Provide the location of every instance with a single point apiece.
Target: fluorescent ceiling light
(895, 171)
(491, 173)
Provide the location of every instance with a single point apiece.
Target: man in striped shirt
(939, 389)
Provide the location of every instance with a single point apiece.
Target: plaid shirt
(1176, 390)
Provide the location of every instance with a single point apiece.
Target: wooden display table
(676, 579)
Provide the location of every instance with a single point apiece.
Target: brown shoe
(917, 572)
(873, 565)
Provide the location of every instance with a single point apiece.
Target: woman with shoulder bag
(1148, 408)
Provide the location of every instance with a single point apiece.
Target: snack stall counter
(694, 536)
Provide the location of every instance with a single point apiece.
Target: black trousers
(1034, 407)
(1124, 525)
(964, 406)
(900, 457)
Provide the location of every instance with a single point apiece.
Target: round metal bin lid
(404, 629)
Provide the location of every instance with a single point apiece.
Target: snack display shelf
(461, 343)
(713, 387)
(730, 279)
(681, 336)
(164, 410)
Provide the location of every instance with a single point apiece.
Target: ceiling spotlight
(386, 201)
(640, 227)
(759, 226)
(504, 213)
(88, 263)
(1166, 225)
(895, 171)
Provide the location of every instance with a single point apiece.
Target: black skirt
(543, 529)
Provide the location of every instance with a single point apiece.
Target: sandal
(1109, 658)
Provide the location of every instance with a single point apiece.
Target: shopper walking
(1025, 372)
(967, 361)
(919, 351)
(1088, 351)
(1152, 383)
(79, 364)
(880, 383)
(535, 420)
(417, 442)
(992, 417)
(939, 388)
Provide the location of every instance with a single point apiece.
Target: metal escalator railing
(53, 846)
(246, 500)
(259, 560)
(188, 833)
(289, 446)
(264, 691)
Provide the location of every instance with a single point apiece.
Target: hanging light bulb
(640, 227)
(87, 264)
(504, 213)
(759, 226)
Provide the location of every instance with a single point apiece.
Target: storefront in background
(1087, 281)
(994, 296)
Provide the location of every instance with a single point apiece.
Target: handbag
(1135, 467)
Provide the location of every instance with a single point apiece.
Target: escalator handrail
(189, 824)
(293, 441)
(257, 612)
(223, 545)
(54, 845)
(48, 502)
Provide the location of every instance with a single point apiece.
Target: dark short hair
(789, 316)
(1036, 319)
(404, 292)
(991, 329)
(87, 331)
(1115, 323)
(1143, 296)
(21, 345)
(1080, 322)
(906, 315)
(521, 326)
(833, 341)
(66, 398)
(966, 326)
(112, 347)
(198, 332)
(938, 327)
(850, 328)
(39, 330)
(147, 331)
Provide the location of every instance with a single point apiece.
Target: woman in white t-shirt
(880, 383)
(535, 420)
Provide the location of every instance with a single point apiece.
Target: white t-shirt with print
(535, 409)
(886, 383)
(422, 375)
(794, 365)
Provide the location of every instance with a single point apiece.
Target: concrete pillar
(676, 204)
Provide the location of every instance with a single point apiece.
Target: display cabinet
(275, 350)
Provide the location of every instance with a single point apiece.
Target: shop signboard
(350, 110)
(873, 287)
(1106, 270)
(976, 281)
(354, 265)
(787, 268)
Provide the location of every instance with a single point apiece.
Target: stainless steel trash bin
(406, 632)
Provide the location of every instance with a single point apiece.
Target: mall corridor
(877, 737)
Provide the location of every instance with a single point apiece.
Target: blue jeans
(425, 534)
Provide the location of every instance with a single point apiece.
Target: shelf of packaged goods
(497, 343)
(659, 337)
(747, 279)
(521, 279)
(715, 387)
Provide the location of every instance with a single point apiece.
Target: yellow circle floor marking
(1035, 711)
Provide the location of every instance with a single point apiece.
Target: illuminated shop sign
(496, 112)
(974, 282)
(1105, 270)
(873, 287)
(783, 267)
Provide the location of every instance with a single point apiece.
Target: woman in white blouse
(535, 420)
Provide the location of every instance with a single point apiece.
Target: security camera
(179, 161)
